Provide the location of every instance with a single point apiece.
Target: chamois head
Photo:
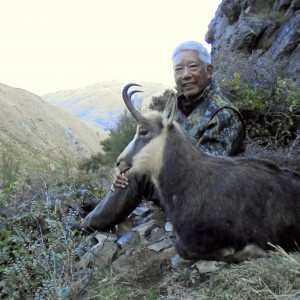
(147, 145)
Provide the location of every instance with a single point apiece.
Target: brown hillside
(36, 132)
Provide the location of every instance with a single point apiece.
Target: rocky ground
(142, 253)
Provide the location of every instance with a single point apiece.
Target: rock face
(264, 32)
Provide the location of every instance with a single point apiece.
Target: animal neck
(179, 160)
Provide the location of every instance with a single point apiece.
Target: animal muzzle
(123, 166)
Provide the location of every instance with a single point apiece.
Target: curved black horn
(127, 100)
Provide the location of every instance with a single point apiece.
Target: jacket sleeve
(224, 134)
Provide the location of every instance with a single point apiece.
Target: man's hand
(119, 180)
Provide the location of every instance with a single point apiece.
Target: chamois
(221, 208)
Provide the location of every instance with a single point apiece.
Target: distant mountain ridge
(101, 103)
(35, 131)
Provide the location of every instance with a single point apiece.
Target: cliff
(258, 39)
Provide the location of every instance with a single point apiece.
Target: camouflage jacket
(213, 122)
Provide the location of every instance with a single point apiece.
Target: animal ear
(170, 110)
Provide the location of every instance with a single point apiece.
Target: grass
(269, 278)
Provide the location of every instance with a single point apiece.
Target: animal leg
(248, 252)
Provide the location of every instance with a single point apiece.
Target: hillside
(36, 132)
(100, 103)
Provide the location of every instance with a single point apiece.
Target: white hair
(196, 46)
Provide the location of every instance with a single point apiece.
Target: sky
(51, 45)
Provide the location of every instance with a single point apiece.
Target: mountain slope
(101, 103)
(36, 132)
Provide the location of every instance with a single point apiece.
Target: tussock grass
(268, 278)
(274, 277)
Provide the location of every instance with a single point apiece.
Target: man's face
(191, 75)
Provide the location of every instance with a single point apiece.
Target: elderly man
(212, 121)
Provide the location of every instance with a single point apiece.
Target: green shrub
(272, 114)
(119, 138)
(93, 163)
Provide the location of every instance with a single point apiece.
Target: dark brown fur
(218, 202)
(221, 208)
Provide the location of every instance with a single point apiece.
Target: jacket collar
(187, 106)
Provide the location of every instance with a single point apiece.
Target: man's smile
(188, 85)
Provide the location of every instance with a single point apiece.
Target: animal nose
(118, 163)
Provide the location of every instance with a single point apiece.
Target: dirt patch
(145, 268)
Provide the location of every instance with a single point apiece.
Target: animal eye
(143, 132)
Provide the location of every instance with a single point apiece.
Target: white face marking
(122, 164)
(150, 158)
(144, 154)
(128, 148)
